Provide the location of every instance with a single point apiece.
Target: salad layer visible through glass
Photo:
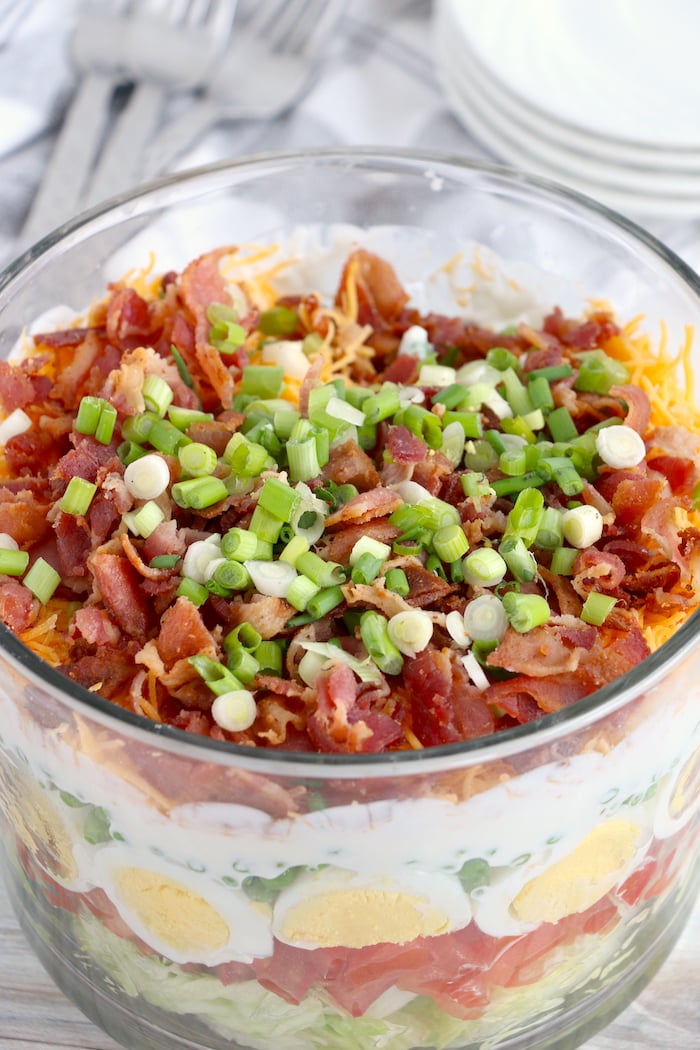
(353, 525)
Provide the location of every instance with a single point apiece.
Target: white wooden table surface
(34, 1015)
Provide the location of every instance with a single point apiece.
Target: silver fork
(272, 62)
(173, 43)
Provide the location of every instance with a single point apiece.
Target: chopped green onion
(319, 605)
(244, 636)
(246, 458)
(470, 422)
(262, 380)
(484, 567)
(157, 395)
(78, 496)
(518, 558)
(563, 559)
(215, 675)
(232, 575)
(366, 568)
(166, 438)
(197, 459)
(164, 561)
(516, 393)
(129, 452)
(296, 546)
(183, 418)
(479, 456)
(597, 607)
(13, 562)
(243, 665)
(199, 493)
(234, 711)
(524, 519)
(508, 486)
(397, 582)
(436, 375)
(324, 573)
(598, 372)
(196, 592)
(582, 526)
(272, 578)
(476, 486)
(279, 499)
(525, 611)
(450, 542)
(266, 526)
(303, 460)
(42, 580)
(283, 422)
(382, 405)
(550, 534)
(410, 631)
(138, 428)
(88, 414)
(104, 430)
(374, 631)
(495, 440)
(620, 447)
(485, 619)
(368, 545)
(301, 591)
(513, 462)
(182, 368)
(560, 425)
(422, 423)
(450, 396)
(501, 358)
(147, 477)
(239, 544)
(269, 656)
(278, 320)
(551, 372)
(145, 520)
(540, 392)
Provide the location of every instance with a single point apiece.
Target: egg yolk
(576, 882)
(172, 911)
(360, 917)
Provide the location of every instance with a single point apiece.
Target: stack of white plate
(601, 95)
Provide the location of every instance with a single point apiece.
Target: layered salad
(349, 525)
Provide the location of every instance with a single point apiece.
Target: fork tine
(267, 16)
(218, 17)
(309, 29)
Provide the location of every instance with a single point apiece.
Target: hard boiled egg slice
(183, 915)
(519, 900)
(334, 907)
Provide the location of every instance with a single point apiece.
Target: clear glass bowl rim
(544, 730)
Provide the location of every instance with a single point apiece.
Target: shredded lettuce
(256, 1018)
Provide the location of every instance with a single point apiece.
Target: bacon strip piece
(201, 284)
(349, 464)
(117, 583)
(338, 725)
(378, 503)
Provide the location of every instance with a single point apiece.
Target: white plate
(619, 69)
(631, 178)
(464, 59)
(498, 139)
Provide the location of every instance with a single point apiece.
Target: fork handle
(179, 135)
(60, 194)
(121, 161)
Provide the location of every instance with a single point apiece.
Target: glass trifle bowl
(512, 887)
